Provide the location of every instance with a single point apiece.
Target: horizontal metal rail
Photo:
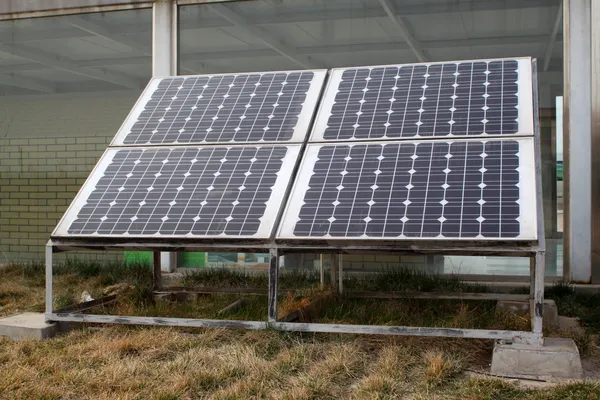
(156, 321)
(213, 290)
(528, 338)
(439, 296)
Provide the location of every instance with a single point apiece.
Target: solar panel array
(459, 189)
(235, 108)
(405, 185)
(424, 151)
(224, 150)
(186, 191)
(474, 98)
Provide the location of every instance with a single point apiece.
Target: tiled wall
(38, 180)
(48, 146)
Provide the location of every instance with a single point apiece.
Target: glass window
(66, 85)
(287, 34)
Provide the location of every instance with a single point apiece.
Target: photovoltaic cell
(468, 189)
(183, 191)
(473, 98)
(235, 108)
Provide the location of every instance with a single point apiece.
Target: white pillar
(165, 63)
(595, 184)
(164, 38)
(578, 141)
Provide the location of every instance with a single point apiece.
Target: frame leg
(157, 272)
(322, 271)
(49, 254)
(332, 264)
(537, 292)
(340, 274)
(273, 282)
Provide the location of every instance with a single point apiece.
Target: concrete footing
(27, 326)
(522, 307)
(557, 358)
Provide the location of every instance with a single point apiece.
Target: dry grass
(120, 362)
(165, 363)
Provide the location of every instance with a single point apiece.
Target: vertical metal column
(340, 273)
(156, 270)
(537, 292)
(165, 61)
(322, 271)
(577, 141)
(538, 260)
(273, 283)
(332, 264)
(49, 253)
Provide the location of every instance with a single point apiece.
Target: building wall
(48, 146)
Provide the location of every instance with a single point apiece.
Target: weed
(223, 277)
(440, 367)
(404, 279)
(572, 304)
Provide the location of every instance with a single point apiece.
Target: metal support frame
(276, 248)
(156, 270)
(537, 292)
(49, 297)
(332, 277)
(273, 284)
(534, 337)
(322, 271)
(340, 273)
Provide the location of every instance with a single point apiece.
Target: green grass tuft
(403, 279)
(572, 304)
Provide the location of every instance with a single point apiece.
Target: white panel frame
(284, 177)
(301, 129)
(525, 82)
(527, 194)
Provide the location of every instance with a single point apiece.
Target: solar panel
(232, 108)
(470, 98)
(455, 189)
(183, 191)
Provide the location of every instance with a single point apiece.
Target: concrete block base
(27, 326)
(522, 307)
(558, 358)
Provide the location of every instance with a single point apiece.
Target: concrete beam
(404, 30)
(262, 35)
(552, 39)
(27, 83)
(11, 9)
(66, 64)
(293, 16)
(308, 50)
(94, 29)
